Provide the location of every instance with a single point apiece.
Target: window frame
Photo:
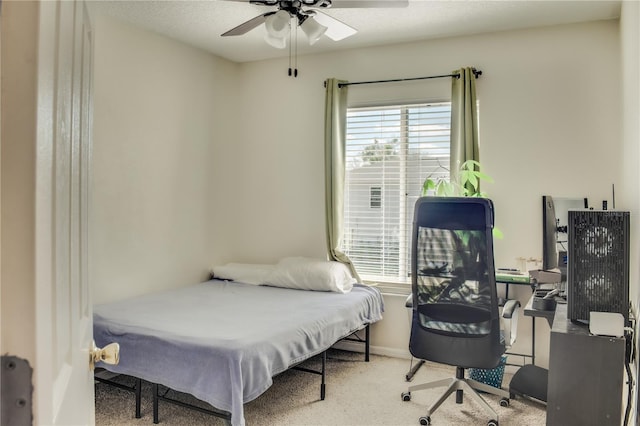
(399, 284)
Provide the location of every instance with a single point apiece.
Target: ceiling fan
(308, 17)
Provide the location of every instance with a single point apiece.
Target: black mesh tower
(598, 264)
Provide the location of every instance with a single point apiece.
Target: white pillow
(247, 273)
(311, 274)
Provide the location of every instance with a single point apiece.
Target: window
(375, 197)
(390, 152)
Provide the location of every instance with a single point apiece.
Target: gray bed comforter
(223, 341)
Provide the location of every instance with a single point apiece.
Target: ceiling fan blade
(335, 4)
(247, 26)
(336, 30)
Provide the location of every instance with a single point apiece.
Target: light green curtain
(464, 120)
(335, 118)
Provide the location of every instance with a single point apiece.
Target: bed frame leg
(367, 334)
(138, 387)
(322, 385)
(155, 403)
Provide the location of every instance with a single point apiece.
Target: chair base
(414, 369)
(461, 384)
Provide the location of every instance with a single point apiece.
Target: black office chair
(455, 305)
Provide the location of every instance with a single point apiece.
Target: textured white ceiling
(200, 23)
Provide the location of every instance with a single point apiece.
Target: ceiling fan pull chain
(295, 57)
(290, 38)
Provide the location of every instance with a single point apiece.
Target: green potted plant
(467, 184)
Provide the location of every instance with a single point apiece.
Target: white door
(64, 393)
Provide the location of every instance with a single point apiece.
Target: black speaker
(598, 263)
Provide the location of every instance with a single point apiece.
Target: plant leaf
(482, 176)
(473, 181)
(428, 185)
(467, 185)
(470, 165)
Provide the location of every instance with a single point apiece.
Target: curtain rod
(477, 73)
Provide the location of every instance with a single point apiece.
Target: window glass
(390, 151)
(375, 197)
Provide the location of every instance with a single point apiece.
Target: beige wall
(244, 181)
(630, 34)
(18, 136)
(630, 46)
(550, 114)
(161, 111)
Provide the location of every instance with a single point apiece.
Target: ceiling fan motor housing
(294, 5)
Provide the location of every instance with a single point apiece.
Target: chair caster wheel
(406, 396)
(425, 421)
(492, 423)
(504, 402)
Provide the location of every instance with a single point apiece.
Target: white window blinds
(390, 150)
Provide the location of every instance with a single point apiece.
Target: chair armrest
(510, 307)
(510, 314)
(409, 302)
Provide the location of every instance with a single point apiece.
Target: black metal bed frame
(157, 397)
(353, 337)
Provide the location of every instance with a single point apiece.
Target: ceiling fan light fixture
(277, 42)
(278, 24)
(313, 29)
(278, 27)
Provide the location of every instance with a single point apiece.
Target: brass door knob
(110, 354)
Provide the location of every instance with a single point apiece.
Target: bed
(223, 341)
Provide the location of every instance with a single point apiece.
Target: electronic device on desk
(598, 266)
(545, 300)
(606, 324)
(562, 264)
(562, 207)
(550, 273)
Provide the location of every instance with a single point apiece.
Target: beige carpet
(358, 393)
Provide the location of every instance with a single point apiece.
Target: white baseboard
(376, 350)
(393, 352)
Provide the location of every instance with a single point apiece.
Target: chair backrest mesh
(452, 266)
